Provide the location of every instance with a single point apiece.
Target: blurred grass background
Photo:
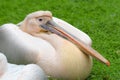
(100, 19)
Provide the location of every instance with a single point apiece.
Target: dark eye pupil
(40, 19)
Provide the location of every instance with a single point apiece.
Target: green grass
(100, 19)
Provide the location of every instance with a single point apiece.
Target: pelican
(10, 71)
(60, 49)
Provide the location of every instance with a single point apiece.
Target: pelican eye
(40, 19)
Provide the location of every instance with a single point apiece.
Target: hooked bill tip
(108, 63)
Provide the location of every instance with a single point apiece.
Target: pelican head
(33, 21)
(41, 21)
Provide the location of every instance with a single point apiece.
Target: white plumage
(20, 72)
(57, 56)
